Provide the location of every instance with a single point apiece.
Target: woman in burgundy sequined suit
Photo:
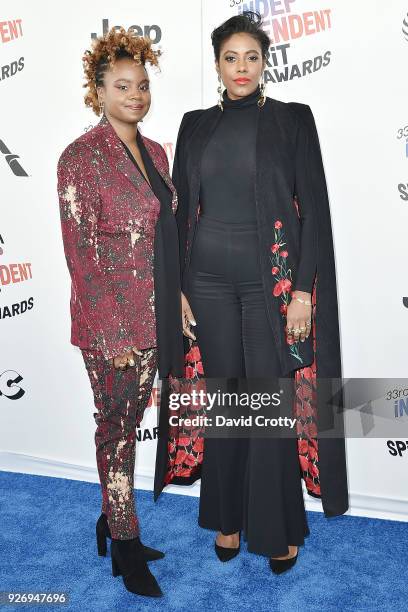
(117, 206)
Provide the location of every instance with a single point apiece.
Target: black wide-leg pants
(251, 483)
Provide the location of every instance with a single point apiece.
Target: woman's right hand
(187, 317)
(122, 361)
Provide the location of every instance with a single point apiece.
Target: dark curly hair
(116, 44)
(248, 22)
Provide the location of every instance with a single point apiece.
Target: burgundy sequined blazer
(108, 218)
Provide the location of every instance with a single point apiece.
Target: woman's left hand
(298, 317)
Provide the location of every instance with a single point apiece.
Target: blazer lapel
(122, 161)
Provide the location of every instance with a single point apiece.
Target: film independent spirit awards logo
(284, 26)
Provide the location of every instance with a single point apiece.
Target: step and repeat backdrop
(347, 60)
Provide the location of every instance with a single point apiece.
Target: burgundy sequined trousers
(121, 397)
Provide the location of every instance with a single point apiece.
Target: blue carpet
(47, 542)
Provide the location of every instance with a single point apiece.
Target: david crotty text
(222, 421)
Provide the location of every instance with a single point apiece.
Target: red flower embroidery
(282, 286)
(314, 471)
(199, 367)
(193, 354)
(311, 485)
(181, 455)
(183, 441)
(283, 277)
(303, 462)
(303, 446)
(198, 445)
(190, 460)
(313, 453)
(190, 372)
(311, 430)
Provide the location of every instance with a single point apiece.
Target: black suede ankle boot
(103, 532)
(128, 561)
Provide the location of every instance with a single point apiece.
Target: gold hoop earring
(220, 90)
(262, 97)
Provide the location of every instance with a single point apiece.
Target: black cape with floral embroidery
(290, 179)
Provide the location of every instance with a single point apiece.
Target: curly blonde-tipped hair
(105, 50)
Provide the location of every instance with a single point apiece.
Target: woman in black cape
(259, 287)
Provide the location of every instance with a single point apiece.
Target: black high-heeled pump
(128, 561)
(278, 566)
(103, 532)
(226, 554)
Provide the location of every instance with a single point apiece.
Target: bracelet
(303, 301)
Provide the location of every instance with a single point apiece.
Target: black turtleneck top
(228, 163)
(227, 191)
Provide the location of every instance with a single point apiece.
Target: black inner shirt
(227, 190)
